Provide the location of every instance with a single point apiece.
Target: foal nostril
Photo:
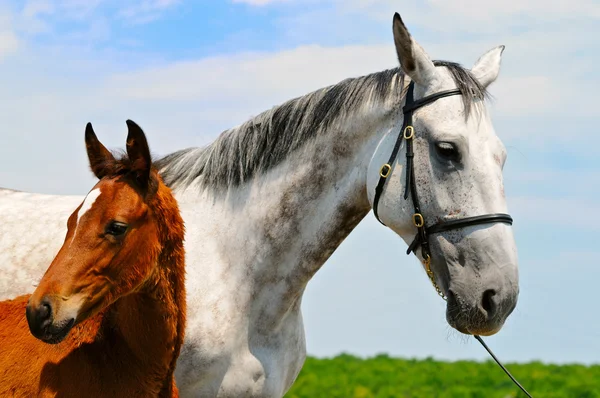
(488, 303)
(45, 311)
(39, 318)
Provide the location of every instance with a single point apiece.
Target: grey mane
(263, 142)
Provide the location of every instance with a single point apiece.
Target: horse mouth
(56, 334)
(469, 320)
(476, 330)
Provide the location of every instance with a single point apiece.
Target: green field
(385, 377)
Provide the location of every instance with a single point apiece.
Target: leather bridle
(407, 133)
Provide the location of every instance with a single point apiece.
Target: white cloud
(574, 212)
(87, 21)
(32, 21)
(276, 75)
(146, 10)
(473, 15)
(579, 182)
(34, 8)
(9, 42)
(528, 95)
(259, 2)
(74, 9)
(492, 9)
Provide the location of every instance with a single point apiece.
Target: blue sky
(187, 70)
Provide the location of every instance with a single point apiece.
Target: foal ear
(100, 157)
(139, 153)
(413, 59)
(487, 67)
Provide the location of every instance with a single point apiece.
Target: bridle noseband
(423, 231)
(407, 133)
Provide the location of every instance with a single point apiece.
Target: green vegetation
(346, 376)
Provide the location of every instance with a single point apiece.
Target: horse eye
(447, 151)
(116, 228)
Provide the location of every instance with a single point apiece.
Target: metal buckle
(411, 131)
(385, 170)
(418, 220)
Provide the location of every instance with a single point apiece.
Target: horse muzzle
(44, 326)
(481, 313)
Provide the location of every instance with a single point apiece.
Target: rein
(407, 133)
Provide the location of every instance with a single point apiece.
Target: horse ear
(139, 153)
(487, 67)
(100, 158)
(413, 59)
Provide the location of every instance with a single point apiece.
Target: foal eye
(447, 151)
(116, 228)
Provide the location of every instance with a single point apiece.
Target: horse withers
(107, 319)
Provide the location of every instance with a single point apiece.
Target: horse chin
(57, 333)
(487, 332)
(474, 330)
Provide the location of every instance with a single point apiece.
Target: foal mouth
(56, 334)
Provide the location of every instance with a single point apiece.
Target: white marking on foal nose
(87, 204)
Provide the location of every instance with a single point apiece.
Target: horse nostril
(487, 302)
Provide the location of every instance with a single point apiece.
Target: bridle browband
(407, 133)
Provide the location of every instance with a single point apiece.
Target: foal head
(113, 241)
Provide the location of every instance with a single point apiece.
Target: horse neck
(151, 321)
(291, 219)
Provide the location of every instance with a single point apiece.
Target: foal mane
(263, 142)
